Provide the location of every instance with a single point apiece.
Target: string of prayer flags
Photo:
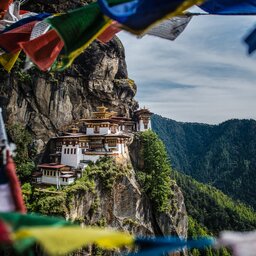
(241, 243)
(139, 15)
(109, 33)
(44, 49)
(229, 7)
(161, 245)
(171, 28)
(250, 40)
(77, 29)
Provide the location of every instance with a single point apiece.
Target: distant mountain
(222, 155)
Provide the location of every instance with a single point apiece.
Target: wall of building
(71, 155)
(93, 158)
(54, 180)
(141, 126)
(102, 130)
(49, 179)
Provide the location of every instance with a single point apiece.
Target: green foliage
(155, 177)
(52, 205)
(196, 230)
(212, 209)
(221, 155)
(52, 202)
(107, 170)
(23, 159)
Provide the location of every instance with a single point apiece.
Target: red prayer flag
(5, 236)
(109, 32)
(23, 12)
(4, 5)
(9, 41)
(14, 184)
(44, 49)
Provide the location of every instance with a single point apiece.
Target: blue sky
(205, 75)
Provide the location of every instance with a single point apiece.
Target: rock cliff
(45, 102)
(126, 207)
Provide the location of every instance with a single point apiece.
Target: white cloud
(203, 76)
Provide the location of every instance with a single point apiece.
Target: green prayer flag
(17, 221)
(77, 29)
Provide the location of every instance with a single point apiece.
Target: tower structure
(143, 119)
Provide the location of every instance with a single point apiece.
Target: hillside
(221, 155)
(212, 209)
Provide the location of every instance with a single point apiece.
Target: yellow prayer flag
(7, 60)
(63, 240)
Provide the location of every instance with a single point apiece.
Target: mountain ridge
(222, 155)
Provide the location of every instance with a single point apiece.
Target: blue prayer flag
(138, 15)
(250, 40)
(229, 7)
(159, 245)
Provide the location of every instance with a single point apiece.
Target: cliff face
(46, 102)
(125, 207)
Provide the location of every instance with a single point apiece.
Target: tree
(23, 140)
(155, 177)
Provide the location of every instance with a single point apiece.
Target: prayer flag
(9, 41)
(64, 240)
(18, 221)
(39, 29)
(153, 246)
(44, 49)
(250, 40)
(139, 15)
(171, 28)
(10, 191)
(109, 32)
(4, 5)
(229, 7)
(241, 243)
(11, 16)
(5, 236)
(77, 29)
(23, 21)
(7, 60)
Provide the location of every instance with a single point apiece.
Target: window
(96, 129)
(74, 150)
(65, 151)
(68, 151)
(113, 129)
(71, 151)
